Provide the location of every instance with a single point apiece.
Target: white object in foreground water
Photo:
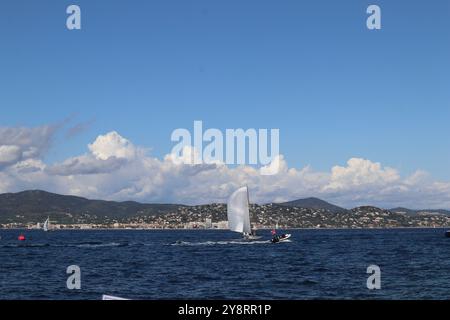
(106, 297)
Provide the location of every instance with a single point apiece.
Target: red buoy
(21, 237)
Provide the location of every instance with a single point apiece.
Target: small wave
(213, 243)
(89, 243)
(64, 245)
(321, 269)
(99, 245)
(25, 245)
(309, 282)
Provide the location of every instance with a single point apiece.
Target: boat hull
(282, 238)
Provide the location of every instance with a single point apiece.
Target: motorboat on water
(280, 238)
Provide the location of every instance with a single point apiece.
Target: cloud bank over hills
(116, 169)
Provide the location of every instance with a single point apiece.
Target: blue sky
(311, 68)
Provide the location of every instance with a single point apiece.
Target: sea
(217, 264)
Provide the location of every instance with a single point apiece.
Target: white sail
(238, 211)
(46, 224)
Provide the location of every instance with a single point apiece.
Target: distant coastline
(29, 209)
(226, 230)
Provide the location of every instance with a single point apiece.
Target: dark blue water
(316, 264)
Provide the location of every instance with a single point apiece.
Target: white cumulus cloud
(360, 173)
(114, 168)
(113, 145)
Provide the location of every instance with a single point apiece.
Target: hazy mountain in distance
(313, 203)
(412, 212)
(35, 205)
(404, 210)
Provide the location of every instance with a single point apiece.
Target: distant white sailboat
(46, 225)
(239, 214)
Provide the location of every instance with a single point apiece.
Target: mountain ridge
(313, 203)
(36, 205)
(420, 211)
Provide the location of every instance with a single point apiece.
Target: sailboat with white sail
(238, 211)
(46, 226)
